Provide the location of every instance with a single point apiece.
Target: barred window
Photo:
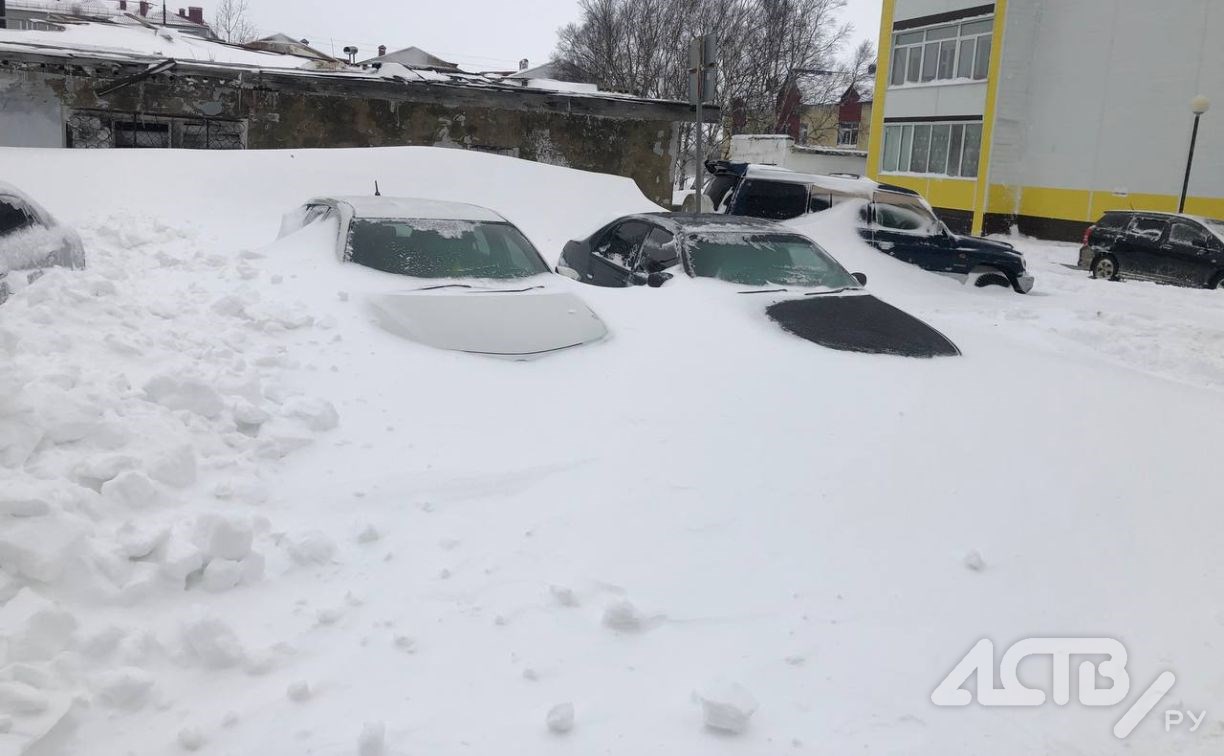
(104, 130)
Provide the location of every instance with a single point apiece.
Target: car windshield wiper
(507, 291)
(831, 291)
(445, 286)
(761, 291)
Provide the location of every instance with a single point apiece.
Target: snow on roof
(116, 39)
(286, 45)
(860, 187)
(413, 57)
(542, 71)
(412, 207)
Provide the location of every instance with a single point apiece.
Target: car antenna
(376, 192)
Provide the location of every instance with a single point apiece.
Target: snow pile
(137, 420)
(238, 517)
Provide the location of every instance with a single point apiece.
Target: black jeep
(1163, 247)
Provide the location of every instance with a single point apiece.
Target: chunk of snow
(35, 627)
(180, 559)
(17, 500)
(39, 548)
(368, 534)
(212, 642)
(21, 698)
(372, 740)
(175, 466)
(138, 541)
(316, 414)
(191, 739)
(181, 393)
(623, 616)
(313, 547)
(565, 596)
(560, 718)
(221, 575)
(974, 561)
(227, 537)
(727, 707)
(125, 687)
(132, 489)
(298, 691)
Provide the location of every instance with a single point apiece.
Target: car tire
(1217, 282)
(983, 277)
(1106, 267)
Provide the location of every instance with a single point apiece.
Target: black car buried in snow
(894, 220)
(805, 290)
(1163, 247)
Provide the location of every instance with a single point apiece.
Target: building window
(847, 134)
(940, 149)
(942, 53)
(101, 130)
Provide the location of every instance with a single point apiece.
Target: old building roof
(413, 57)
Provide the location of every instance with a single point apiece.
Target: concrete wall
(30, 112)
(306, 112)
(1093, 107)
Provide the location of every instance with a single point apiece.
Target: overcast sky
(484, 34)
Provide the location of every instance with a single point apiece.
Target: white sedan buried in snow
(474, 282)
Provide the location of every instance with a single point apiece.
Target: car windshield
(426, 248)
(765, 260)
(1215, 226)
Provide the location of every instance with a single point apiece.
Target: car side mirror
(657, 279)
(861, 278)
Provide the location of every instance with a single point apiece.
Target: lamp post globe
(1200, 105)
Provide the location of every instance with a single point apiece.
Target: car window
(13, 216)
(818, 201)
(1150, 229)
(314, 213)
(771, 199)
(1112, 220)
(658, 252)
(1189, 235)
(906, 219)
(621, 242)
(428, 248)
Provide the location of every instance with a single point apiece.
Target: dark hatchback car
(803, 289)
(1163, 247)
(896, 220)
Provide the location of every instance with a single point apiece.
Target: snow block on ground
(560, 718)
(727, 707)
(180, 393)
(133, 489)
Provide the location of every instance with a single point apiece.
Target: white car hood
(502, 322)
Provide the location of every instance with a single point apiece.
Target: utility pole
(163, 12)
(703, 56)
(3, 17)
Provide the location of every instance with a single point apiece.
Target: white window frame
(930, 40)
(848, 134)
(899, 142)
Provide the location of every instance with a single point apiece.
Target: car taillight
(1087, 233)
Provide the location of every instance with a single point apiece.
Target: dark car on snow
(895, 220)
(1163, 247)
(801, 287)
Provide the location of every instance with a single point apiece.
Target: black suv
(895, 220)
(1162, 247)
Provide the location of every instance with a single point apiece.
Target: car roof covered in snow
(40, 212)
(411, 207)
(863, 187)
(714, 223)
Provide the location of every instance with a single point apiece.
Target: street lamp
(1199, 105)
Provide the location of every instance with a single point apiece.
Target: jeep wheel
(983, 277)
(1217, 282)
(1106, 267)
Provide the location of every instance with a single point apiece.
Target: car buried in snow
(895, 220)
(31, 241)
(803, 289)
(472, 282)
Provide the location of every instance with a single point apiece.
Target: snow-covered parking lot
(236, 517)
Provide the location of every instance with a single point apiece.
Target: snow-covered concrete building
(107, 85)
(1046, 113)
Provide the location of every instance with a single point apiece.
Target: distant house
(412, 57)
(286, 45)
(825, 109)
(51, 14)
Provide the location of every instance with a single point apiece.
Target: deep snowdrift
(237, 517)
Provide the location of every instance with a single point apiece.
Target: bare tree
(231, 24)
(641, 47)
